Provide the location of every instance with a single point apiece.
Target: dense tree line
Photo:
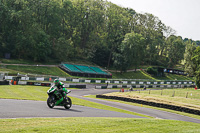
(94, 30)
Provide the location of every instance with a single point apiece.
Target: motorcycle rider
(60, 87)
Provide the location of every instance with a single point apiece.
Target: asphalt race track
(10, 108)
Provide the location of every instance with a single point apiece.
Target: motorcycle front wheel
(68, 103)
(50, 102)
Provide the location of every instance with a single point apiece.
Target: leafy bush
(152, 71)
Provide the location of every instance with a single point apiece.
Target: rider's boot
(64, 97)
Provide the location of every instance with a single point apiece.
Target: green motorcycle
(56, 99)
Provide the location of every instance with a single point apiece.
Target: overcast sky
(181, 15)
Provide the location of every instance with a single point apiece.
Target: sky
(181, 15)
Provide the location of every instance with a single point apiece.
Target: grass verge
(166, 96)
(96, 125)
(42, 70)
(129, 75)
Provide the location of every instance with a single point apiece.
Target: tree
(4, 26)
(84, 29)
(190, 67)
(99, 55)
(152, 29)
(40, 46)
(196, 62)
(175, 50)
(63, 49)
(116, 28)
(120, 62)
(132, 51)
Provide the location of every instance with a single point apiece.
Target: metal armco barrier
(110, 83)
(136, 82)
(45, 84)
(142, 86)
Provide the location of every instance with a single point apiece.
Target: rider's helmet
(56, 81)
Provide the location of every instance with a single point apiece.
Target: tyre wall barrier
(75, 86)
(38, 84)
(4, 82)
(142, 86)
(160, 105)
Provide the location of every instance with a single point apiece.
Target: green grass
(167, 96)
(96, 125)
(179, 77)
(144, 75)
(129, 75)
(13, 61)
(148, 75)
(22, 61)
(39, 93)
(23, 92)
(10, 71)
(49, 62)
(54, 71)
